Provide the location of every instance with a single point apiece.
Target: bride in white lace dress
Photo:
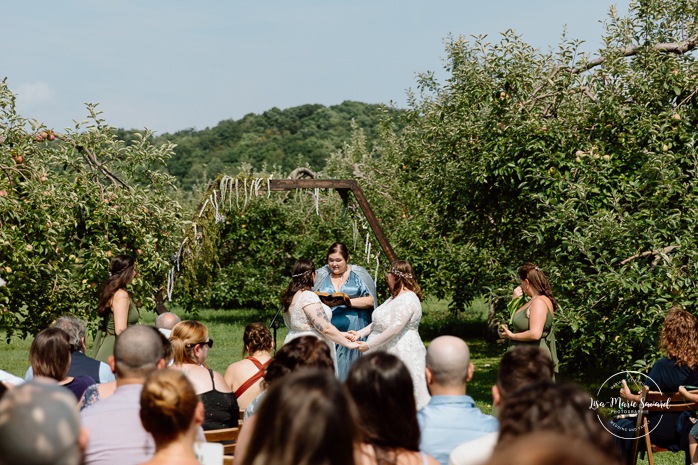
(395, 327)
(304, 313)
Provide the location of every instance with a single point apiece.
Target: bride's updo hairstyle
(404, 277)
(302, 279)
(168, 404)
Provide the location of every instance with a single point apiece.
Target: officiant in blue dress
(340, 276)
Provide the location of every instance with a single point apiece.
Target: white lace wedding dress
(395, 329)
(298, 320)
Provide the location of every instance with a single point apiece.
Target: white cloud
(31, 95)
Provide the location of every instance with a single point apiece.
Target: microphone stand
(274, 325)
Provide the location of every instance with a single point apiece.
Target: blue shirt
(448, 421)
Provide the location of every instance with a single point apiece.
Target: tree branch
(667, 47)
(647, 253)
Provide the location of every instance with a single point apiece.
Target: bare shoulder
(541, 304)
(220, 382)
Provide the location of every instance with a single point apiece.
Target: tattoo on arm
(317, 322)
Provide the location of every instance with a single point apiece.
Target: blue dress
(344, 318)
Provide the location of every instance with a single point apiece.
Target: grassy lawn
(226, 328)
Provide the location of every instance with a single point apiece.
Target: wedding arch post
(343, 187)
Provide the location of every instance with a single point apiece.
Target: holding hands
(363, 347)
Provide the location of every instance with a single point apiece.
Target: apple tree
(584, 164)
(69, 201)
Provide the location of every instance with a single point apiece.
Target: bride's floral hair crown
(400, 273)
(302, 274)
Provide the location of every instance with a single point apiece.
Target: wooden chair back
(654, 401)
(226, 436)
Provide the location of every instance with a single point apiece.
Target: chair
(225, 436)
(655, 401)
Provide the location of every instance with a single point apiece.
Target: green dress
(106, 335)
(520, 322)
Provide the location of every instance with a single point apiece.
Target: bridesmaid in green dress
(533, 322)
(116, 309)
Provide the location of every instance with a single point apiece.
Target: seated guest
(245, 377)
(549, 448)
(49, 356)
(520, 366)
(172, 413)
(381, 386)
(451, 417)
(165, 322)
(97, 392)
(554, 407)
(301, 352)
(309, 418)
(114, 425)
(39, 425)
(80, 364)
(678, 367)
(190, 343)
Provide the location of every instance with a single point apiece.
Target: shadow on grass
(238, 317)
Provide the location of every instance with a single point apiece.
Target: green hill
(278, 140)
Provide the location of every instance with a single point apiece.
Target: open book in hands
(332, 300)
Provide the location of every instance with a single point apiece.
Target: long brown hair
(120, 275)
(381, 386)
(301, 280)
(538, 281)
(309, 419)
(679, 340)
(404, 277)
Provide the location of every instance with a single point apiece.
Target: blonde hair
(168, 404)
(185, 335)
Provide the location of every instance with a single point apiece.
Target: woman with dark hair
(395, 327)
(678, 367)
(245, 377)
(191, 344)
(116, 309)
(381, 386)
(533, 321)
(172, 413)
(354, 281)
(309, 419)
(50, 355)
(305, 314)
(555, 407)
(301, 352)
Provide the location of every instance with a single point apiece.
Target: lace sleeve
(366, 330)
(401, 311)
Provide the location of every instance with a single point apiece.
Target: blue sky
(171, 65)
